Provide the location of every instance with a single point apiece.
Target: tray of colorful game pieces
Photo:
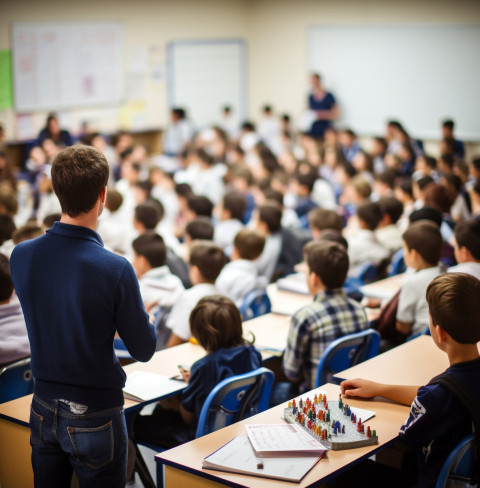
(332, 423)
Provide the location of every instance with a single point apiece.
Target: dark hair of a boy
(7, 227)
(147, 214)
(332, 235)
(467, 234)
(323, 219)
(183, 190)
(387, 177)
(249, 244)
(370, 213)
(200, 228)
(79, 174)
(152, 247)
(235, 203)
(114, 200)
(6, 283)
(329, 261)
(209, 259)
(201, 205)
(392, 207)
(243, 172)
(216, 323)
(439, 197)
(271, 214)
(454, 305)
(424, 236)
(424, 182)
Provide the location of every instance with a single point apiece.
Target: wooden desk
(384, 289)
(270, 331)
(286, 302)
(414, 363)
(183, 464)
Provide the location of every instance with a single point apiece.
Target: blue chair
(16, 380)
(346, 352)
(460, 465)
(370, 272)
(234, 399)
(397, 265)
(120, 349)
(256, 303)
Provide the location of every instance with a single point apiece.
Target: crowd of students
(227, 210)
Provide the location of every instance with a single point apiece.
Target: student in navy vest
(323, 103)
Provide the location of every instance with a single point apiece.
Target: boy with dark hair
(467, 248)
(448, 127)
(239, 276)
(331, 315)
(76, 296)
(158, 286)
(206, 262)
(388, 233)
(438, 419)
(422, 246)
(363, 246)
(14, 343)
(230, 213)
(146, 217)
(199, 229)
(321, 219)
(198, 206)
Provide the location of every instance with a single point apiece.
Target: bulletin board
(203, 76)
(65, 65)
(418, 74)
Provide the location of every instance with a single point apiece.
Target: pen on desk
(177, 377)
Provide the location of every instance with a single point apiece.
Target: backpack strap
(471, 404)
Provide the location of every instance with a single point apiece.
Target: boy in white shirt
(467, 248)
(387, 232)
(231, 212)
(239, 277)
(158, 286)
(206, 262)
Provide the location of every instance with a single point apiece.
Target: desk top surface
(387, 421)
(414, 363)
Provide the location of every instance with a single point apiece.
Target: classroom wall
(275, 31)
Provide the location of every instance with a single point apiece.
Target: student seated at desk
(331, 316)
(467, 248)
(158, 286)
(14, 343)
(206, 262)
(239, 277)
(438, 420)
(216, 324)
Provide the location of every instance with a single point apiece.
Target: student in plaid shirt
(331, 315)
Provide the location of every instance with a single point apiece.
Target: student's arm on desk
(404, 327)
(404, 394)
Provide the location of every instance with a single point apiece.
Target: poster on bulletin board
(65, 65)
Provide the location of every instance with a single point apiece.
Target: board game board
(332, 423)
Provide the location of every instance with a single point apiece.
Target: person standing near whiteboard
(324, 105)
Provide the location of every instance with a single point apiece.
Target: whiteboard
(62, 65)
(204, 76)
(418, 74)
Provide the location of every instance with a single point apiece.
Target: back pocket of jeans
(36, 426)
(93, 446)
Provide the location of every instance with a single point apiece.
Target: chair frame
(245, 308)
(27, 378)
(361, 345)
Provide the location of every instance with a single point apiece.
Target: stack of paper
(144, 386)
(238, 456)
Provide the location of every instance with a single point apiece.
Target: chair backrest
(370, 272)
(161, 329)
(234, 399)
(256, 303)
(397, 265)
(346, 352)
(16, 380)
(120, 349)
(460, 465)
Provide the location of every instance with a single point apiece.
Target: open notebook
(144, 386)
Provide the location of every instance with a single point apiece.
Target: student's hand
(360, 388)
(185, 375)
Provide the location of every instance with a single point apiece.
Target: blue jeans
(90, 441)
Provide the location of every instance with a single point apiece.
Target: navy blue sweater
(75, 294)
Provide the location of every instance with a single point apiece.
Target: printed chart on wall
(204, 76)
(62, 65)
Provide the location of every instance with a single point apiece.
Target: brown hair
(235, 203)
(467, 234)
(79, 174)
(216, 323)
(114, 200)
(208, 258)
(28, 231)
(322, 219)
(454, 305)
(152, 247)
(424, 236)
(361, 186)
(329, 261)
(6, 284)
(370, 213)
(271, 214)
(249, 244)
